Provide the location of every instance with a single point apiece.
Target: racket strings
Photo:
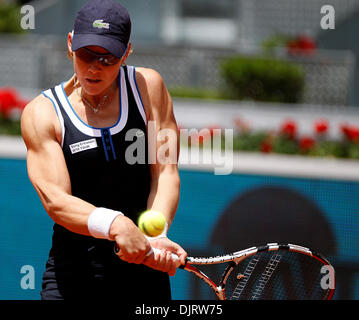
(276, 275)
(266, 275)
(243, 279)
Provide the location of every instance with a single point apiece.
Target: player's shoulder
(38, 114)
(148, 72)
(148, 77)
(39, 104)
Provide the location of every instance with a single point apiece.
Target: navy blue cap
(103, 23)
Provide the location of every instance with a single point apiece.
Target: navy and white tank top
(97, 158)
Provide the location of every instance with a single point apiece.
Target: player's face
(96, 69)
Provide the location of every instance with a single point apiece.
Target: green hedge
(262, 79)
(9, 127)
(196, 93)
(10, 18)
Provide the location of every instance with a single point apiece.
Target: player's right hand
(131, 242)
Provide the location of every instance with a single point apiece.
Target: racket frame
(235, 258)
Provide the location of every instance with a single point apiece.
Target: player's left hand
(163, 260)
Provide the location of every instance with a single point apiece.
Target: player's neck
(96, 103)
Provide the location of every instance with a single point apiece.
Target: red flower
(306, 143)
(21, 104)
(350, 132)
(289, 129)
(212, 128)
(344, 129)
(301, 45)
(321, 126)
(8, 101)
(199, 137)
(10, 105)
(354, 134)
(266, 147)
(202, 138)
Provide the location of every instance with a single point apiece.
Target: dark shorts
(101, 276)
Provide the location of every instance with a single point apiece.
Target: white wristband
(162, 235)
(99, 222)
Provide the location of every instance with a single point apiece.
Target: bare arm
(47, 168)
(165, 181)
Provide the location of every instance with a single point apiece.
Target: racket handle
(174, 256)
(152, 250)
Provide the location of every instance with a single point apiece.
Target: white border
(87, 129)
(48, 94)
(244, 163)
(279, 165)
(136, 94)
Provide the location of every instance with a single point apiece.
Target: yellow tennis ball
(151, 223)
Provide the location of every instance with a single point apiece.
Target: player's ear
(69, 45)
(127, 53)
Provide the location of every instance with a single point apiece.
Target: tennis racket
(270, 272)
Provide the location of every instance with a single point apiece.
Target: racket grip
(174, 256)
(152, 250)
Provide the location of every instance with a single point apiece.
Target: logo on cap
(100, 24)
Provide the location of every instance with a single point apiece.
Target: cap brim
(80, 40)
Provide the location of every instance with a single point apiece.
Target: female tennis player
(81, 137)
